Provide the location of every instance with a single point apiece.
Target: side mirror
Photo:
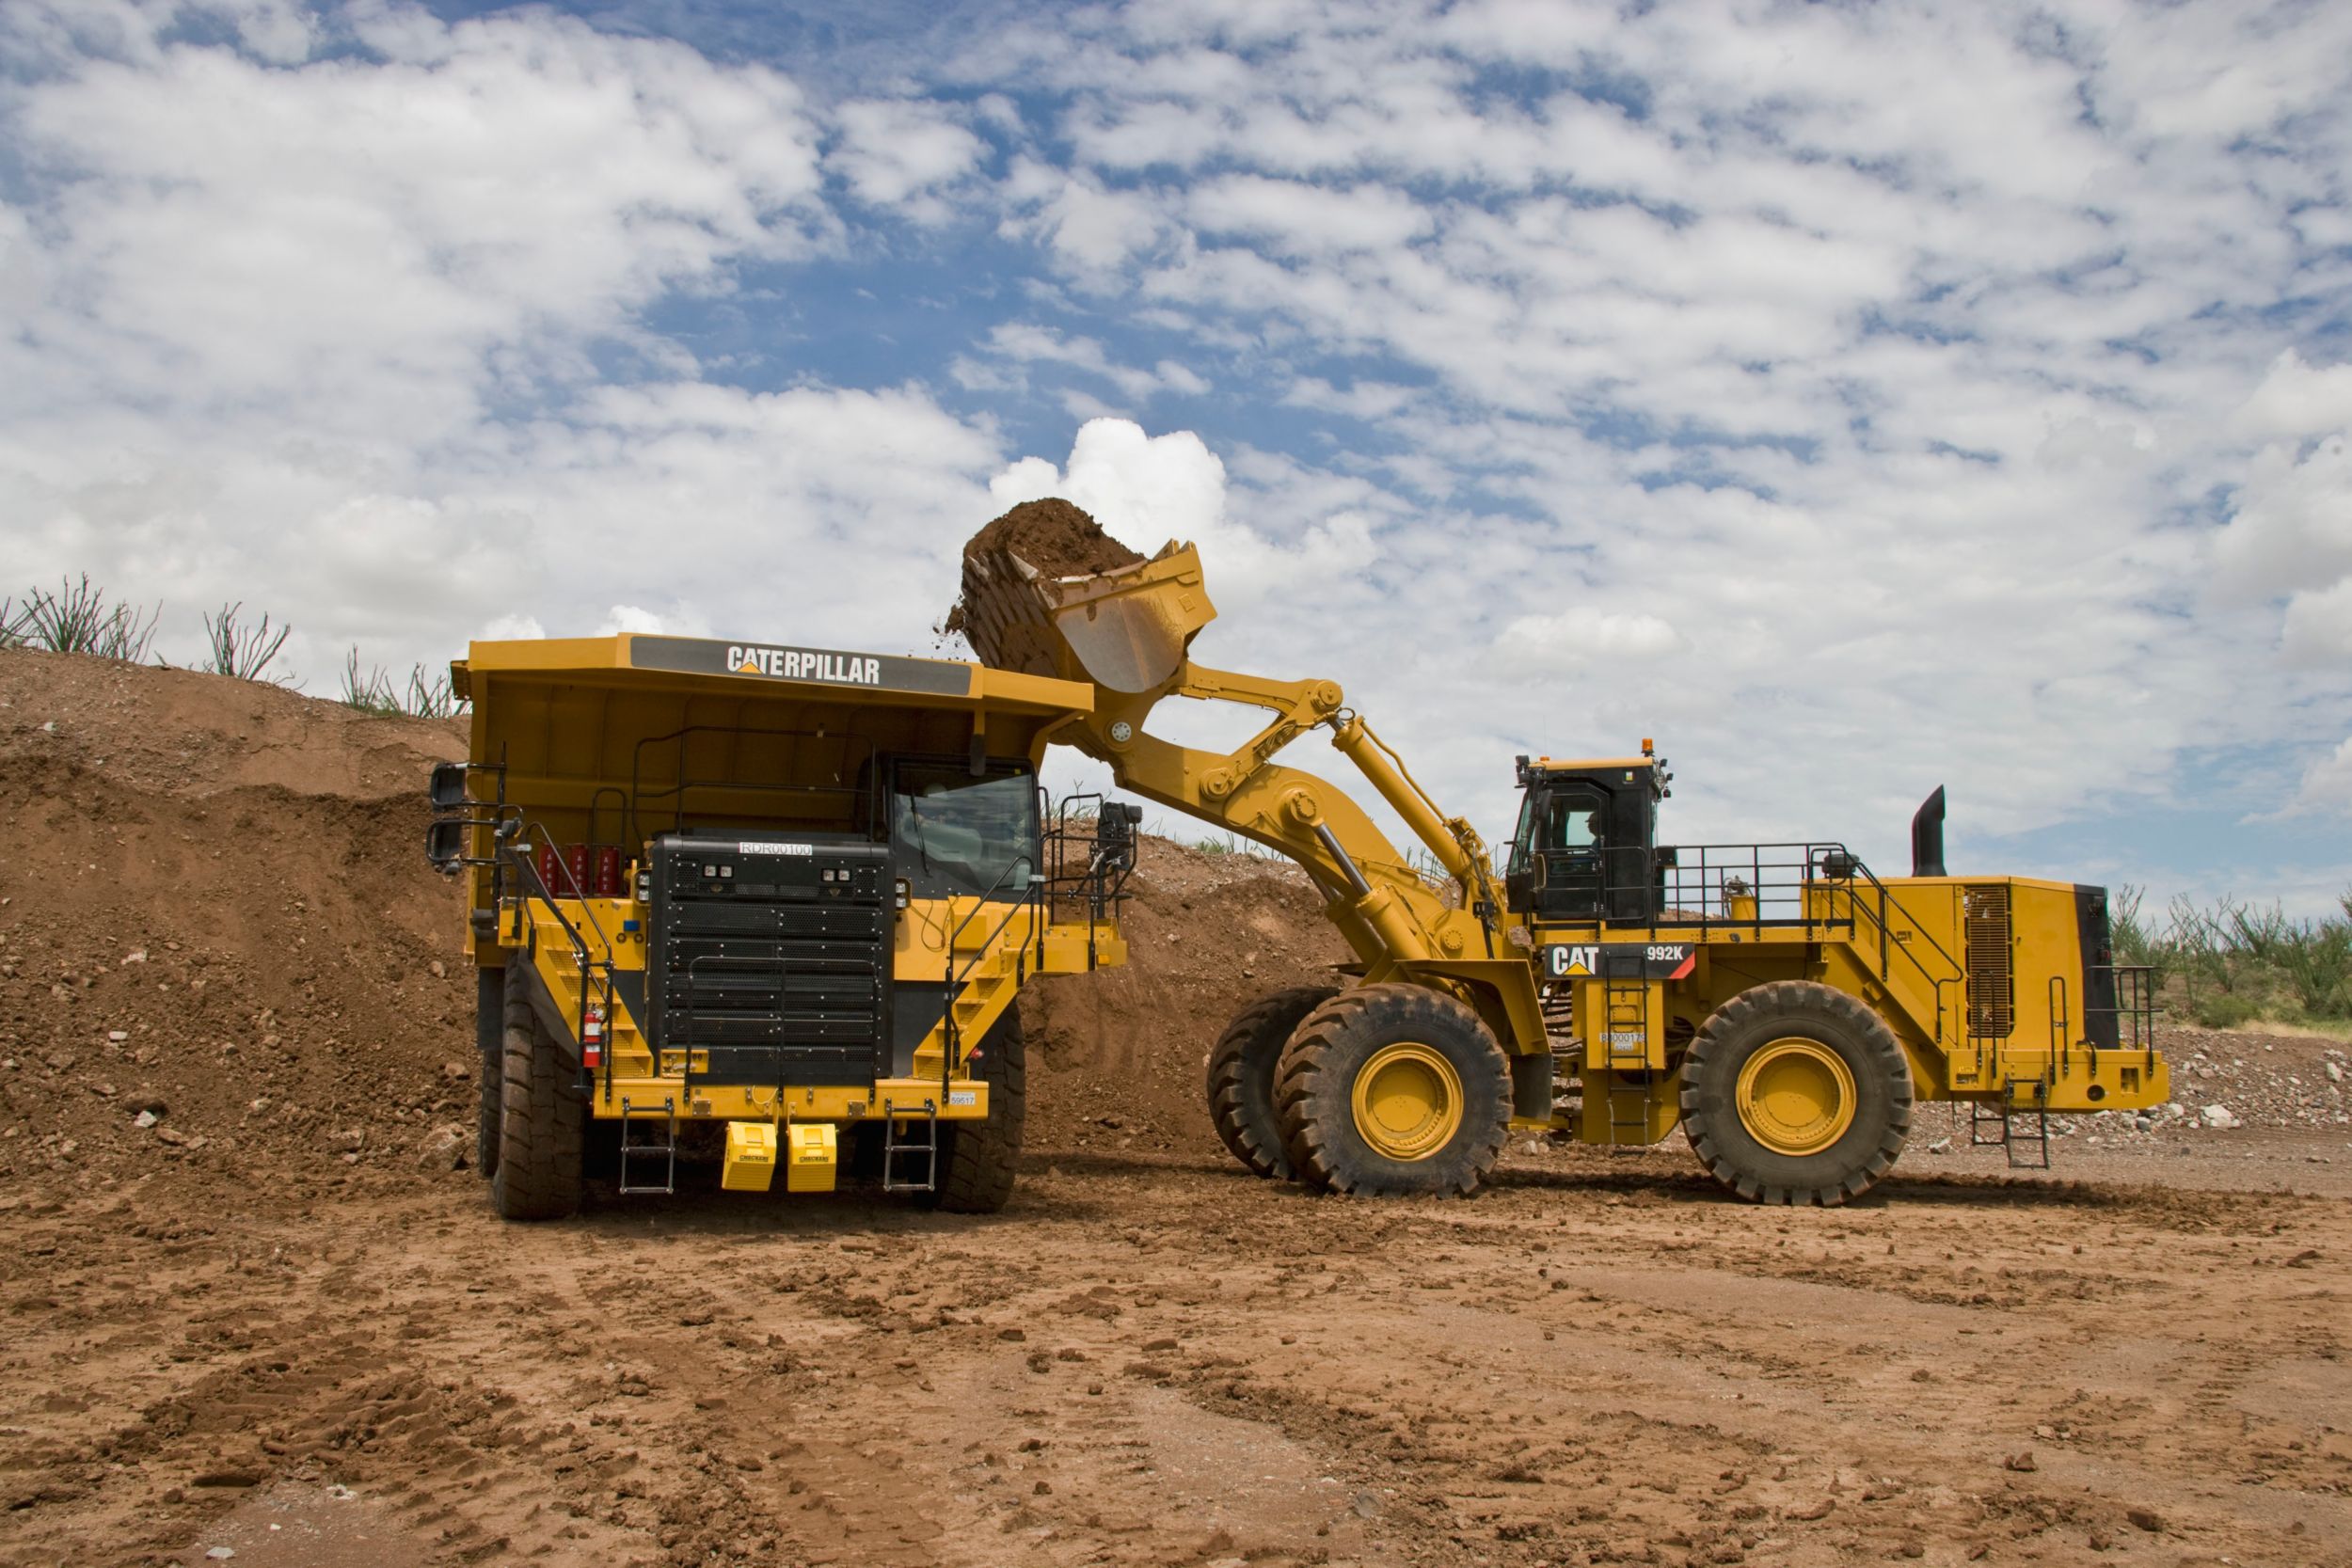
(445, 843)
(448, 788)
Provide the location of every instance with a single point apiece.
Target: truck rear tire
(1240, 1076)
(1796, 1093)
(489, 1038)
(1391, 1090)
(541, 1112)
(977, 1159)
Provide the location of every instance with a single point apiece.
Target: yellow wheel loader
(1783, 1003)
(762, 907)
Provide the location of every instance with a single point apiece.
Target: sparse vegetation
(374, 693)
(243, 650)
(2229, 963)
(77, 619)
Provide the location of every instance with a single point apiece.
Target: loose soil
(279, 1320)
(1057, 539)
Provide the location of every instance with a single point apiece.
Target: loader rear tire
(541, 1112)
(489, 1037)
(1796, 1093)
(1242, 1065)
(977, 1159)
(1392, 1090)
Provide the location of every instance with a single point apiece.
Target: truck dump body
(770, 885)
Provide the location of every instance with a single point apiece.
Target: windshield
(952, 832)
(1556, 822)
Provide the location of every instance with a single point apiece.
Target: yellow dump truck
(764, 907)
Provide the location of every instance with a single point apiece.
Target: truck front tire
(541, 1112)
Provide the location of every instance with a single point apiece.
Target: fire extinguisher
(609, 871)
(592, 1037)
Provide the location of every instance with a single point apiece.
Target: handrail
(580, 947)
(954, 980)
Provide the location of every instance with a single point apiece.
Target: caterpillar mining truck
(1782, 1003)
(762, 904)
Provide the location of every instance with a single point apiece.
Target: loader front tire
(1796, 1093)
(976, 1158)
(541, 1112)
(1392, 1090)
(1242, 1065)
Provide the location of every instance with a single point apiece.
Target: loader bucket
(1125, 630)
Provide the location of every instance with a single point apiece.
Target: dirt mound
(1121, 1055)
(219, 941)
(1058, 539)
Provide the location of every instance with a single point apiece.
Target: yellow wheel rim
(1796, 1096)
(1408, 1101)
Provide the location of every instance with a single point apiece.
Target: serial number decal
(762, 846)
(963, 1097)
(1622, 960)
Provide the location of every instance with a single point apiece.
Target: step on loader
(762, 907)
(1783, 1003)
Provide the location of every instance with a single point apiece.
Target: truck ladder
(665, 1149)
(897, 1149)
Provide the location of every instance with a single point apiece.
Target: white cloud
(2325, 789)
(1542, 648)
(899, 153)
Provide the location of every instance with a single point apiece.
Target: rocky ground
(255, 1311)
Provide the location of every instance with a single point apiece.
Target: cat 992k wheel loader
(1782, 1003)
(764, 904)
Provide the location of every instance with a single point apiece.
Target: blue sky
(1854, 398)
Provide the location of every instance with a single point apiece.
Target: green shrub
(241, 650)
(77, 619)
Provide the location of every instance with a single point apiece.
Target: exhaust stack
(1926, 836)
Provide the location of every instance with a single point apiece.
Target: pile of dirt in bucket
(1054, 538)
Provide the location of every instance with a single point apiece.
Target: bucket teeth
(1007, 617)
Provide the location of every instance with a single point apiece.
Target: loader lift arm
(1128, 632)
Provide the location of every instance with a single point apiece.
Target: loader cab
(1585, 852)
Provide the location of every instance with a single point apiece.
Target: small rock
(2335, 1072)
(220, 1554)
(2219, 1116)
(117, 1035)
(443, 1148)
(2146, 1518)
(1940, 1146)
(1364, 1504)
(144, 1119)
(2022, 1463)
(440, 970)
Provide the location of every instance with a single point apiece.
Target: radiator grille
(1991, 991)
